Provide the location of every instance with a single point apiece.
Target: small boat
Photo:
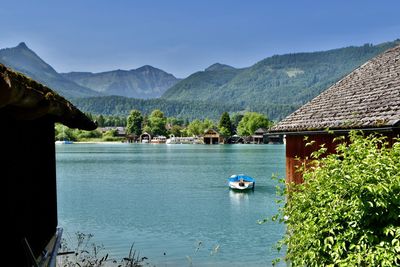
(158, 140)
(182, 140)
(241, 182)
(60, 142)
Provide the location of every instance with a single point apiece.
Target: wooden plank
(49, 254)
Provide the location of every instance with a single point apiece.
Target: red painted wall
(297, 152)
(296, 148)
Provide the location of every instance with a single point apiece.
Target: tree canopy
(157, 122)
(134, 122)
(252, 121)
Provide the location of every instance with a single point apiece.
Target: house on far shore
(28, 111)
(367, 99)
(212, 137)
(259, 136)
(119, 130)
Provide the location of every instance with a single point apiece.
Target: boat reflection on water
(239, 198)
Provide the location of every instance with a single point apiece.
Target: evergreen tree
(236, 118)
(225, 124)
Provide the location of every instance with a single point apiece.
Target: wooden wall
(295, 147)
(28, 175)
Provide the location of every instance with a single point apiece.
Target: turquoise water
(172, 201)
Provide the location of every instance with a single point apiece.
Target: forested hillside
(201, 85)
(282, 79)
(118, 105)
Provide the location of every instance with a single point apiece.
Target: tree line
(156, 124)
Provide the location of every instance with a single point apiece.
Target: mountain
(218, 67)
(202, 85)
(24, 60)
(145, 82)
(274, 86)
(290, 79)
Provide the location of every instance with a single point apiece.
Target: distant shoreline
(99, 142)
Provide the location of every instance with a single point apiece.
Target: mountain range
(144, 82)
(278, 80)
(275, 86)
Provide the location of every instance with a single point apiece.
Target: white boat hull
(63, 142)
(241, 185)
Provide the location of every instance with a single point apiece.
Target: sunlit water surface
(172, 201)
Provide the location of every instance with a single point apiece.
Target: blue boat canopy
(235, 178)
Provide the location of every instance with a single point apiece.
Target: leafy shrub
(347, 211)
(82, 135)
(64, 133)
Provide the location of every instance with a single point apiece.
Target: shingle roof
(369, 97)
(25, 99)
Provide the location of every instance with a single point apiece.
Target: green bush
(64, 133)
(82, 135)
(347, 211)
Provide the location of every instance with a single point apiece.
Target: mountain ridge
(144, 82)
(219, 66)
(291, 79)
(275, 86)
(22, 59)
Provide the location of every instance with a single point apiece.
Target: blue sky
(185, 36)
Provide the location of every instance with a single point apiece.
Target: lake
(172, 201)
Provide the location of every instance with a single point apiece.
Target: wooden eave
(22, 98)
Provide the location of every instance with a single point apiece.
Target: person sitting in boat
(241, 182)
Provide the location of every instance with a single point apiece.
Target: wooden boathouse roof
(25, 99)
(368, 97)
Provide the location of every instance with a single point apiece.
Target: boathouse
(235, 139)
(212, 137)
(28, 111)
(367, 99)
(145, 138)
(274, 138)
(259, 136)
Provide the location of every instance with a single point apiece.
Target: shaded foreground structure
(367, 99)
(28, 111)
